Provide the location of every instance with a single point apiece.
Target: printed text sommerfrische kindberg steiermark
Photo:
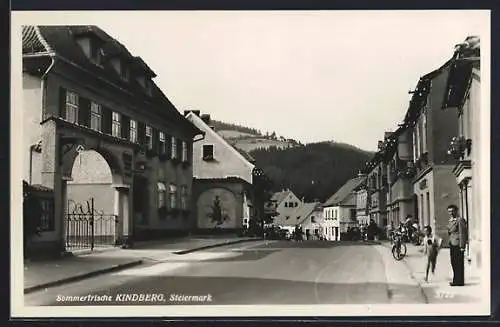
(131, 297)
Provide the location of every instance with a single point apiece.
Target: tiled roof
(245, 154)
(342, 196)
(62, 40)
(32, 41)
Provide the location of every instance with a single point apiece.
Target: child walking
(432, 245)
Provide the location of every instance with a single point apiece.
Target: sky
(312, 76)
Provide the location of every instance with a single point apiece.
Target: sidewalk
(437, 289)
(85, 264)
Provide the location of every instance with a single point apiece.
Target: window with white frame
(161, 195)
(173, 154)
(417, 128)
(133, 131)
(95, 116)
(208, 152)
(184, 151)
(172, 190)
(414, 139)
(184, 197)
(161, 142)
(116, 129)
(149, 137)
(72, 107)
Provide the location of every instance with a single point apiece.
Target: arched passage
(93, 203)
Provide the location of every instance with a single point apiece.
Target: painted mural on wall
(217, 209)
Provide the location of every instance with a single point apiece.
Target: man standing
(457, 230)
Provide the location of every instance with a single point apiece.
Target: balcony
(459, 147)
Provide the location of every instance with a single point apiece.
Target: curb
(206, 247)
(71, 279)
(412, 275)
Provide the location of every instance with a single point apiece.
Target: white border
(17, 304)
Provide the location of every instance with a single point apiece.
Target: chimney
(380, 145)
(206, 118)
(196, 112)
(186, 112)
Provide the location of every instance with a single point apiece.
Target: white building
(339, 211)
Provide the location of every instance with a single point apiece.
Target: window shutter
(84, 111)
(125, 127)
(168, 146)
(62, 102)
(141, 133)
(156, 141)
(106, 120)
(179, 149)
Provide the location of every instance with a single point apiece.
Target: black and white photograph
(250, 163)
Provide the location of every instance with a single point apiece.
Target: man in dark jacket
(457, 231)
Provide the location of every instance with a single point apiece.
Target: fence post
(92, 223)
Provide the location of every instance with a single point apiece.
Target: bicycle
(399, 248)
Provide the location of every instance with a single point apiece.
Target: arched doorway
(95, 208)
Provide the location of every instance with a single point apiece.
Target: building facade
(339, 211)
(284, 203)
(463, 94)
(434, 184)
(223, 180)
(400, 171)
(89, 102)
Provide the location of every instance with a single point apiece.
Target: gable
(227, 161)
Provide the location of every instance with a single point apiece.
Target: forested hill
(313, 171)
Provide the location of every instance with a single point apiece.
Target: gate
(87, 228)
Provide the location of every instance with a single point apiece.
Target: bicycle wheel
(396, 252)
(403, 250)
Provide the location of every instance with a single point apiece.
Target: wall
(227, 161)
(32, 115)
(319, 223)
(446, 192)
(478, 151)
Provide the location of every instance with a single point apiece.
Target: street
(262, 272)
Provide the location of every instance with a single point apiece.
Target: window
(149, 87)
(133, 131)
(173, 154)
(95, 116)
(428, 209)
(72, 107)
(313, 219)
(116, 130)
(161, 194)
(286, 204)
(184, 151)
(208, 152)
(47, 215)
(161, 142)
(424, 132)
(184, 197)
(353, 213)
(173, 196)
(149, 137)
(95, 53)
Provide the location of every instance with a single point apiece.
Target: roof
(245, 154)
(466, 57)
(298, 215)
(342, 196)
(62, 41)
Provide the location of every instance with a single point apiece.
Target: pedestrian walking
(457, 231)
(432, 244)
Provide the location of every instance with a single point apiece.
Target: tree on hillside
(328, 165)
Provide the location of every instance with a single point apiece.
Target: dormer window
(96, 53)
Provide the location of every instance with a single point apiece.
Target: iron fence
(87, 228)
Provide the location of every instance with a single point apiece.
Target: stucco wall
(288, 211)
(32, 115)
